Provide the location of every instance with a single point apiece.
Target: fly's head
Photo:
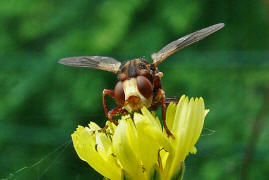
(135, 86)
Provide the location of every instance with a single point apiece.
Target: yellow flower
(139, 148)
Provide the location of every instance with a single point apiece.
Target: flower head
(139, 148)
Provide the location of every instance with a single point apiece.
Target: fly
(138, 80)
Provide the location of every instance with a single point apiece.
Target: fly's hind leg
(161, 94)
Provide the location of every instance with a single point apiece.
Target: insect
(139, 81)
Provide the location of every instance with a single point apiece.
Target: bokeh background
(42, 102)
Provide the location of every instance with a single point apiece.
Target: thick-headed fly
(139, 81)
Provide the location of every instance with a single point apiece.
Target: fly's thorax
(134, 68)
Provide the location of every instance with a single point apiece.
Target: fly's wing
(183, 42)
(96, 62)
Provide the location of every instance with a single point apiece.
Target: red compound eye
(144, 85)
(119, 93)
(143, 72)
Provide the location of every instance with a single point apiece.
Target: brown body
(139, 82)
(139, 85)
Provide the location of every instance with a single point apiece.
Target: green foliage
(42, 102)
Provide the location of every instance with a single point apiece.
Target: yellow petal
(189, 120)
(85, 145)
(148, 146)
(163, 155)
(154, 129)
(103, 145)
(170, 114)
(193, 150)
(123, 149)
(152, 141)
(93, 126)
(186, 126)
(152, 120)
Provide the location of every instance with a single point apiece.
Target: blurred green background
(42, 102)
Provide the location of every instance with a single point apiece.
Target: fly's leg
(116, 111)
(111, 94)
(169, 100)
(113, 112)
(161, 94)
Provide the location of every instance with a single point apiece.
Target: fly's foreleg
(111, 94)
(116, 112)
(169, 100)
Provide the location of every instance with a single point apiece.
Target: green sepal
(179, 175)
(124, 176)
(155, 173)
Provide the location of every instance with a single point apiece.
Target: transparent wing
(97, 62)
(184, 41)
